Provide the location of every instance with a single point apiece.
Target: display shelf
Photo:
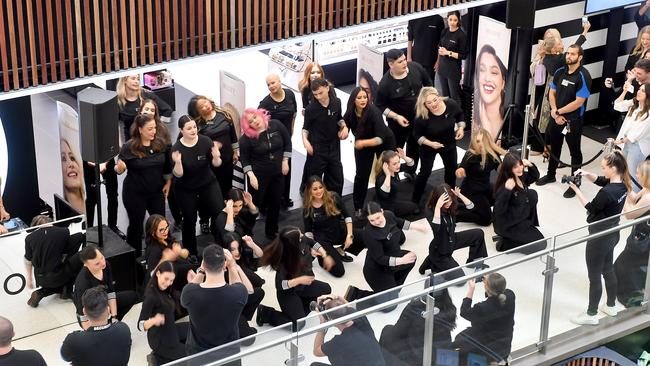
(330, 51)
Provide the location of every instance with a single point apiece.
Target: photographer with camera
(609, 202)
(355, 346)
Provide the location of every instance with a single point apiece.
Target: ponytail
(496, 286)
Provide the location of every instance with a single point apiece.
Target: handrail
(33, 228)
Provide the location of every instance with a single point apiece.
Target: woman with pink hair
(265, 149)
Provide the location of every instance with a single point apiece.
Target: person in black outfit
(322, 131)
(439, 122)
(403, 343)
(356, 345)
(515, 205)
(238, 215)
(492, 320)
(444, 204)
(195, 183)
(217, 124)
(265, 152)
(281, 105)
(147, 183)
(51, 253)
(453, 49)
(129, 99)
(107, 171)
(396, 97)
(207, 291)
(105, 342)
(290, 255)
(482, 157)
(9, 356)
(328, 222)
(388, 185)
(386, 265)
(312, 72)
(97, 272)
(568, 98)
(371, 137)
(640, 17)
(423, 40)
(158, 315)
(602, 214)
(367, 82)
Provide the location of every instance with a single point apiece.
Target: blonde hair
(421, 111)
(638, 48)
(385, 157)
(551, 40)
(121, 91)
(644, 177)
(489, 147)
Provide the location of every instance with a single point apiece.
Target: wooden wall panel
(49, 20)
(200, 27)
(4, 62)
(32, 41)
(141, 17)
(159, 42)
(87, 36)
(22, 44)
(192, 27)
(70, 31)
(98, 38)
(115, 34)
(106, 33)
(150, 40)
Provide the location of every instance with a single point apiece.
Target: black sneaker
(351, 293)
(35, 299)
(346, 258)
(545, 180)
(569, 193)
(205, 228)
(259, 317)
(118, 232)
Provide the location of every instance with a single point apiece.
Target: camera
(320, 306)
(575, 179)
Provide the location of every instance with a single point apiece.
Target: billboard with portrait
(72, 172)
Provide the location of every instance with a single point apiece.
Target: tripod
(513, 109)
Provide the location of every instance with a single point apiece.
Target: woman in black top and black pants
(387, 184)
(195, 183)
(290, 256)
(281, 105)
(446, 240)
(515, 205)
(129, 98)
(371, 137)
(265, 152)
(439, 122)
(482, 157)
(238, 216)
(157, 317)
(453, 49)
(608, 203)
(147, 183)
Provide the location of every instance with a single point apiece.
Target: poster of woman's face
(71, 163)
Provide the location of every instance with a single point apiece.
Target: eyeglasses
(164, 229)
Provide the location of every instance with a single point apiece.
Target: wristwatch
(200, 271)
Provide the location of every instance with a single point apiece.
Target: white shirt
(635, 130)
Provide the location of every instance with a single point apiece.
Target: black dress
(476, 186)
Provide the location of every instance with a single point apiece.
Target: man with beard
(568, 97)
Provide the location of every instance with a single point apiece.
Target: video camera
(575, 179)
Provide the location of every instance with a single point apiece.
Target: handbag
(639, 239)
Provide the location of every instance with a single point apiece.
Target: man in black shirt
(104, 343)
(51, 253)
(10, 356)
(568, 96)
(423, 41)
(355, 346)
(322, 131)
(396, 97)
(213, 304)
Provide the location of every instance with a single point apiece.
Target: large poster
(232, 94)
(71, 164)
(370, 69)
(493, 47)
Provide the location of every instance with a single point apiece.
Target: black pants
(110, 181)
(224, 173)
(252, 302)
(189, 201)
(428, 156)
(167, 352)
(61, 280)
(136, 204)
(125, 301)
(404, 135)
(450, 87)
(337, 270)
(599, 255)
(326, 163)
(295, 302)
(269, 195)
(403, 209)
(472, 238)
(384, 278)
(363, 159)
(174, 207)
(572, 140)
(481, 214)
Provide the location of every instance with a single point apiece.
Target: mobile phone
(9, 224)
(478, 279)
(585, 20)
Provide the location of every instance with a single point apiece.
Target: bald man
(10, 356)
(281, 105)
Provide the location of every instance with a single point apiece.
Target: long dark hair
(645, 110)
(245, 253)
(438, 191)
(510, 161)
(151, 228)
(350, 112)
(193, 109)
(139, 122)
(152, 285)
(616, 160)
(161, 130)
(447, 314)
(329, 202)
(364, 74)
(284, 252)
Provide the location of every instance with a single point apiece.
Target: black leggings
(450, 87)
(599, 255)
(481, 214)
(110, 183)
(189, 201)
(136, 204)
(252, 302)
(404, 135)
(384, 278)
(337, 270)
(403, 209)
(295, 302)
(428, 156)
(572, 140)
(269, 195)
(224, 173)
(472, 238)
(165, 353)
(363, 159)
(325, 163)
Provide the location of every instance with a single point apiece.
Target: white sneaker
(609, 310)
(585, 319)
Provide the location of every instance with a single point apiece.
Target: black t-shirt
(146, 174)
(400, 95)
(264, 154)
(386, 199)
(86, 280)
(243, 222)
(157, 302)
(197, 163)
(108, 345)
(220, 129)
(214, 314)
(284, 111)
(355, 346)
(370, 126)
(425, 34)
(327, 229)
(455, 42)
(47, 247)
(22, 358)
(130, 109)
(569, 86)
(609, 201)
(552, 63)
(305, 247)
(307, 96)
(439, 128)
(477, 178)
(322, 123)
(384, 242)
